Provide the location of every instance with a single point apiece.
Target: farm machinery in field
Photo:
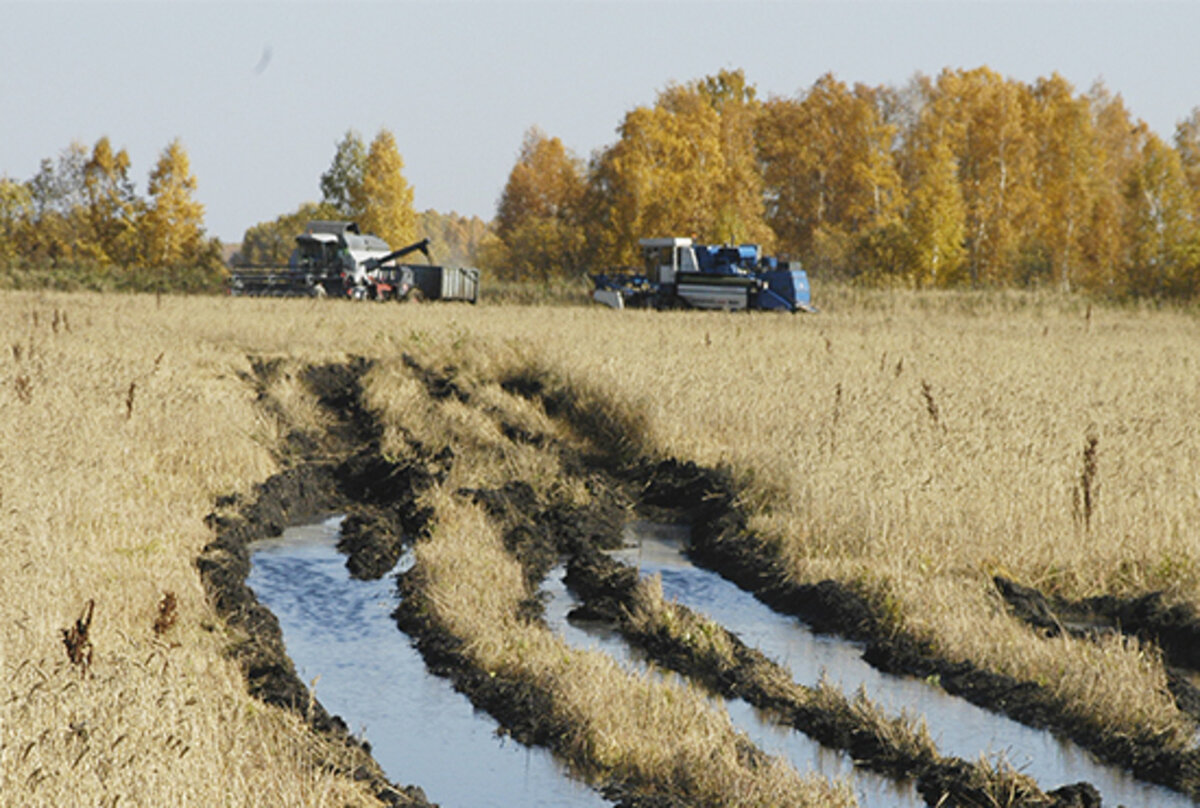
(680, 274)
(335, 259)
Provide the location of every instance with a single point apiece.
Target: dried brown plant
(168, 613)
(77, 639)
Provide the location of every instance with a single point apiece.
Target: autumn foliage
(81, 222)
(967, 178)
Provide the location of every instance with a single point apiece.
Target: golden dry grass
(917, 445)
(623, 725)
(102, 496)
(913, 445)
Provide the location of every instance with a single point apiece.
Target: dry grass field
(911, 445)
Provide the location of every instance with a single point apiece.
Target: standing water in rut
(958, 727)
(340, 635)
(806, 755)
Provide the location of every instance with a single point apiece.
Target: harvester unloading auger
(680, 274)
(335, 259)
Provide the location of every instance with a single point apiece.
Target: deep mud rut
(344, 470)
(1174, 630)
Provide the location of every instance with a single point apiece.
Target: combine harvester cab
(680, 274)
(335, 259)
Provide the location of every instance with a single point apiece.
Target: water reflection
(805, 754)
(958, 727)
(339, 632)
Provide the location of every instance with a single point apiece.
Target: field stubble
(914, 446)
(917, 453)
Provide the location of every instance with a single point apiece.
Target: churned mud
(1173, 629)
(343, 470)
(335, 472)
(705, 498)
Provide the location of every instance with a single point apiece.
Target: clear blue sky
(260, 93)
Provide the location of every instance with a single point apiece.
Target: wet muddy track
(606, 588)
(539, 534)
(335, 472)
(344, 470)
(722, 543)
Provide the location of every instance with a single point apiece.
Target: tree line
(80, 221)
(968, 178)
(366, 184)
(963, 179)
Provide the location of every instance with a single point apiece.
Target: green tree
(384, 201)
(341, 185)
(57, 196)
(173, 227)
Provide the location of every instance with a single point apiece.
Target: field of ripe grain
(912, 446)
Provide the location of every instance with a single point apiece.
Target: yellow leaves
(538, 219)
(174, 223)
(827, 163)
(984, 117)
(16, 203)
(686, 166)
(385, 197)
(546, 182)
(936, 219)
(367, 185)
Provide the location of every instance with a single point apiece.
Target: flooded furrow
(340, 634)
(958, 727)
(806, 755)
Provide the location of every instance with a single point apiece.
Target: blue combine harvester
(680, 274)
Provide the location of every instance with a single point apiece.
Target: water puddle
(805, 754)
(339, 632)
(958, 727)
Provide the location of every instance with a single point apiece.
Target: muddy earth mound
(1174, 630)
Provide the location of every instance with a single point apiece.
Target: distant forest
(967, 179)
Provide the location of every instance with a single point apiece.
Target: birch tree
(385, 199)
(173, 227)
